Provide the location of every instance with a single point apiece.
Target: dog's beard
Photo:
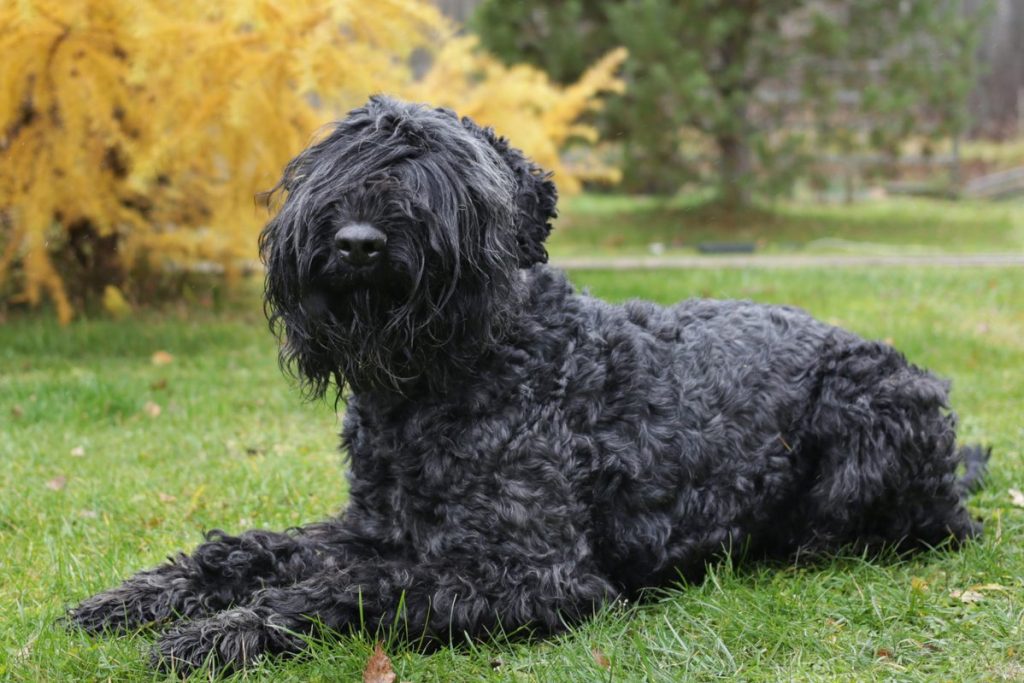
(360, 335)
(415, 321)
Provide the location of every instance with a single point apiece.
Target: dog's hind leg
(224, 571)
(430, 603)
(886, 457)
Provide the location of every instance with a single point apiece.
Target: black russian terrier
(520, 453)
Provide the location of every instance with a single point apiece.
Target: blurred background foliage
(134, 136)
(746, 93)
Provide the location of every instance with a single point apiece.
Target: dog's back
(729, 424)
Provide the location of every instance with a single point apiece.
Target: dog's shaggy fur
(522, 454)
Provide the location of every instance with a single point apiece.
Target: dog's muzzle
(360, 244)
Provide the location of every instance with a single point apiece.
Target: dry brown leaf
(989, 587)
(378, 667)
(57, 483)
(26, 650)
(1017, 497)
(883, 653)
(601, 658)
(158, 385)
(152, 409)
(162, 358)
(967, 596)
(78, 452)
(166, 497)
(17, 411)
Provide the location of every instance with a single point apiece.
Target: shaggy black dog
(522, 454)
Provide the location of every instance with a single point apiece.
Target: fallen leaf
(883, 653)
(159, 385)
(967, 597)
(193, 503)
(78, 452)
(115, 303)
(601, 658)
(1017, 497)
(57, 483)
(989, 587)
(378, 667)
(17, 411)
(26, 650)
(166, 497)
(162, 358)
(152, 409)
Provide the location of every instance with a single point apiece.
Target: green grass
(613, 225)
(234, 448)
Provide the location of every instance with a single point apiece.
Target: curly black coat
(521, 454)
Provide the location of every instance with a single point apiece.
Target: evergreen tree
(758, 86)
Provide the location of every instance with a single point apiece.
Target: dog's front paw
(229, 641)
(157, 595)
(120, 609)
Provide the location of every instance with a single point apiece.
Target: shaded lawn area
(616, 225)
(97, 483)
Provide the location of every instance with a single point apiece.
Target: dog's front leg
(224, 571)
(435, 603)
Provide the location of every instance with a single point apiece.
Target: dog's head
(396, 252)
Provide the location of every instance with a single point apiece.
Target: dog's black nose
(360, 244)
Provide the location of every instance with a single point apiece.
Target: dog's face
(401, 236)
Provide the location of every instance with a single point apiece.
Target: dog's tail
(975, 459)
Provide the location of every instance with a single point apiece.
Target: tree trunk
(735, 162)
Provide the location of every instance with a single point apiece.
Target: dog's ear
(536, 197)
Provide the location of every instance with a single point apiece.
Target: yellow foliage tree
(138, 133)
(522, 103)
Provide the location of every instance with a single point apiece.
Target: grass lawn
(110, 461)
(611, 225)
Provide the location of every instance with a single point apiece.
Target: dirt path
(794, 261)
